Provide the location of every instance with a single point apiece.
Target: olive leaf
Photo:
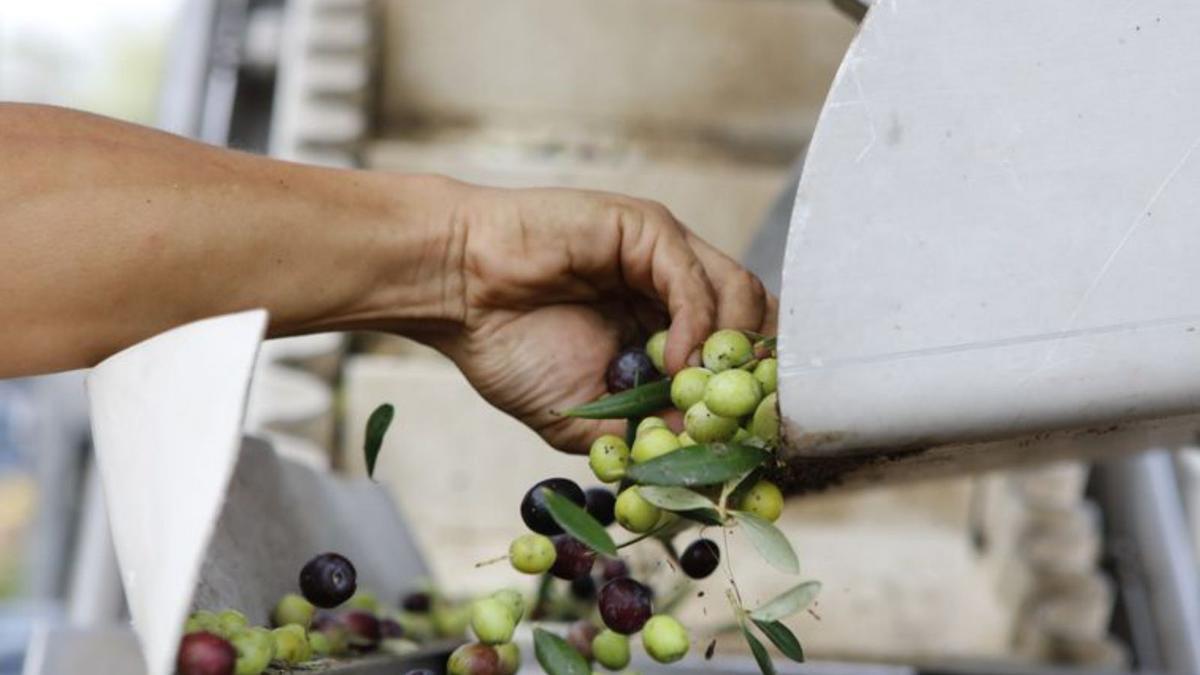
(631, 426)
(377, 426)
(646, 399)
(760, 653)
(781, 636)
(675, 498)
(578, 523)
(790, 602)
(706, 464)
(703, 516)
(556, 656)
(770, 542)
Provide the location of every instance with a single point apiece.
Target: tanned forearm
(113, 233)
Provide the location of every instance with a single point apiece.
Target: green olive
(687, 387)
(510, 658)
(656, 347)
(532, 553)
(364, 600)
(611, 649)
(763, 500)
(635, 513)
(765, 423)
(513, 600)
(649, 423)
(292, 608)
(608, 458)
(706, 426)
(665, 639)
(229, 622)
(255, 649)
(732, 393)
(767, 374)
(492, 621)
(654, 443)
(726, 349)
(291, 644)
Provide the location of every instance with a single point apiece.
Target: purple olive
(574, 559)
(625, 605)
(629, 369)
(362, 630)
(700, 558)
(418, 601)
(600, 502)
(204, 653)
(613, 568)
(328, 580)
(533, 507)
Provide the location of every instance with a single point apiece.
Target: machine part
(960, 268)
(1148, 529)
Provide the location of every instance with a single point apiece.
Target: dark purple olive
(574, 559)
(418, 601)
(362, 630)
(390, 628)
(533, 507)
(629, 369)
(625, 605)
(580, 636)
(584, 588)
(613, 568)
(328, 580)
(600, 502)
(204, 653)
(324, 620)
(700, 558)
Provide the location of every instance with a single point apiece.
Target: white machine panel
(998, 227)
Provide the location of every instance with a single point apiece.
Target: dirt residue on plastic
(805, 475)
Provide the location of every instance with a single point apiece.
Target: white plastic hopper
(993, 251)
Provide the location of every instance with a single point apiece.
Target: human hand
(553, 283)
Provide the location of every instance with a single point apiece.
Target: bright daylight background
(105, 56)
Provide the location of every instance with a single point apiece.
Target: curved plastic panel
(996, 228)
(167, 419)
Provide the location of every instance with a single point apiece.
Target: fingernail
(693, 359)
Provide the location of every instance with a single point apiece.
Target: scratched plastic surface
(996, 229)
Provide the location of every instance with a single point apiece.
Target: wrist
(419, 287)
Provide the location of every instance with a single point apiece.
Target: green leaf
(698, 465)
(578, 523)
(556, 656)
(781, 636)
(703, 516)
(377, 426)
(770, 542)
(760, 653)
(637, 402)
(788, 603)
(631, 426)
(675, 498)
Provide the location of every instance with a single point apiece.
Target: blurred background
(705, 105)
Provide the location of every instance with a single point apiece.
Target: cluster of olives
(330, 617)
(730, 399)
